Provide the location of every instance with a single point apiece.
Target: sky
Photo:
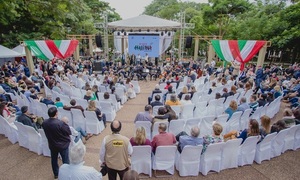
(132, 8)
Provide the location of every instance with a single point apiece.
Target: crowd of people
(264, 83)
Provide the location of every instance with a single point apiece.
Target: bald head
(116, 126)
(195, 131)
(65, 120)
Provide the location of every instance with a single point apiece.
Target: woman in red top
(140, 138)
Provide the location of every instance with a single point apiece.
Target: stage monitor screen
(143, 43)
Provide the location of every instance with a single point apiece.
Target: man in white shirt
(76, 169)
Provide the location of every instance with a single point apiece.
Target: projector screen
(143, 43)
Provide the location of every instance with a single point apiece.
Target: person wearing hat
(26, 119)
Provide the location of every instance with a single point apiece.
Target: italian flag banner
(240, 50)
(49, 49)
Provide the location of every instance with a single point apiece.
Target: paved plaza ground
(19, 163)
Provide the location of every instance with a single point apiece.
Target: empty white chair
(9, 129)
(278, 143)
(34, 140)
(256, 114)
(190, 123)
(64, 113)
(78, 119)
(188, 160)
(120, 92)
(222, 119)
(141, 159)
(263, 149)
(136, 87)
(22, 135)
(147, 125)
(187, 111)
(244, 120)
(155, 128)
(230, 154)
(206, 125)
(289, 139)
(93, 125)
(108, 110)
(177, 110)
(201, 109)
(234, 122)
(297, 138)
(45, 147)
(164, 159)
(247, 150)
(176, 126)
(212, 158)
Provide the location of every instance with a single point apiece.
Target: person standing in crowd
(115, 152)
(58, 135)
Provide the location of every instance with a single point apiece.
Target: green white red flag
(49, 49)
(239, 50)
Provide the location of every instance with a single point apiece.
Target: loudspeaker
(98, 41)
(97, 66)
(188, 43)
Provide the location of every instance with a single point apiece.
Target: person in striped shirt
(253, 103)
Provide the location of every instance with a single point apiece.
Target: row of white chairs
(217, 157)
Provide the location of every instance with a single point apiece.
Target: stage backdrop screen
(143, 43)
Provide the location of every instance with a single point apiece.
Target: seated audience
(6, 112)
(186, 100)
(156, 90)
(163, 138)
(253, 103)
(243, 105)
(231, 109)
(47, 100)
(288, 117)
(183, 91)
(77, 133)
(265, 128)
(73, 106)
(76, 169)
(162, 116)
(214, 138)
(173, 101)
(140, 138)
(146, 115)
(193, 140)
(171, 113)
(262, 100)
(89, 96)
(157, 101)
(58, 103)
(278, 126)
(92, 107)
(27, 119)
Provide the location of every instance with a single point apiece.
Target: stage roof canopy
(7, 53)
(144, 22)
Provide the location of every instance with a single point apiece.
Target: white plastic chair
(141, 160)
(188, 160)
(93, 125)
(78, 119)
(278, 143)
(244, 120)
(201, 109)
(190, 123)
(222, 119)
(289, 139)
(212, 158)
(234, 122)
(187, 111)
(45, 146)
(64, 113)
(176, 126)
(120, 92)
(206, 125)
(263, 149)
(108, 110)
(34, 140)
(177, 110)
(22, 135)
(247, 150)
(297, 138)
(10, 130)
(230, 154)
(136, 87)
(164, 159)
(147, 125)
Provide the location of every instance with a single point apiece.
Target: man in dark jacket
(58, 135)
(25, 119)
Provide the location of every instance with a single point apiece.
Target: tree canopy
(50, 19)
(277, 21)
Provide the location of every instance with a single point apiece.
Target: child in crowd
(58, 103)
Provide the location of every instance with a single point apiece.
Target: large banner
(143, 44)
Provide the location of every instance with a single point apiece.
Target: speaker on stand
(98, 41)
(188, 42)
